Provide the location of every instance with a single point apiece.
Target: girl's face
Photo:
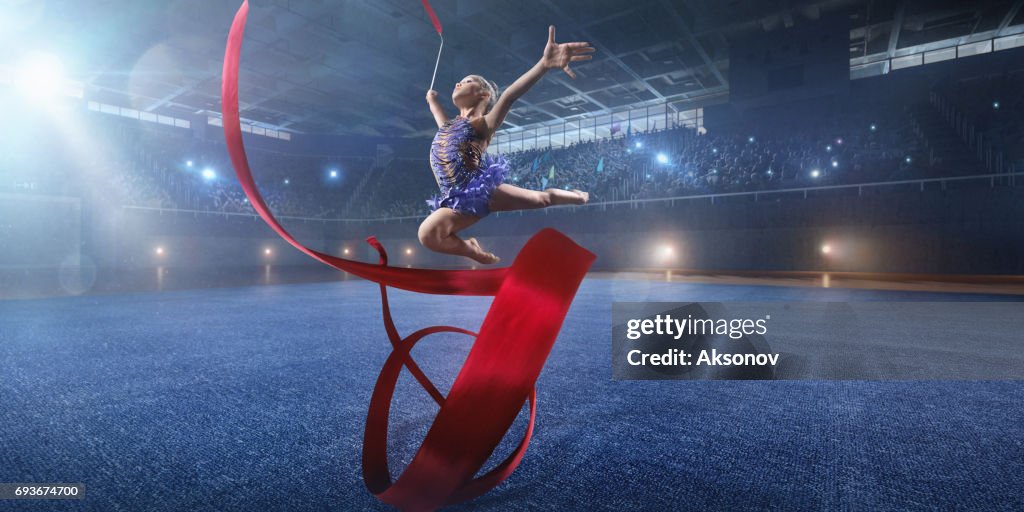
(468, 91)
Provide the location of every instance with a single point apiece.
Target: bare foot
(480, 255)
(584, 195)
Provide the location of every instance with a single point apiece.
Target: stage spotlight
(39, 76)
(287, 181)
(873, 127)
(839, 141)
(160, 250)
(188, 163)
(714, 150)
(208, 174)
(828, 148)
(345, 251)
(826, 249)
(662, 158)
(835, 164)
(750, 139)
(408, 251)
(267, 251)
(908, 159)
(334, 174)
(667, 252)
(638, 145)
(995, 105)
(815, 173)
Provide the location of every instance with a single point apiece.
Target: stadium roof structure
(362, 67)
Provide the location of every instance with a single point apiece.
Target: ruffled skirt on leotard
(474, 196)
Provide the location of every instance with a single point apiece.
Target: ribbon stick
(436, 64)
(437, 26)
(531, 300)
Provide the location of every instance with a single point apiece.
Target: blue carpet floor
(254, 399)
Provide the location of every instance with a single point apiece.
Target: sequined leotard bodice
(455, 153)
(465, 175)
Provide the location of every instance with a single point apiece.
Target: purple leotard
(465, 176)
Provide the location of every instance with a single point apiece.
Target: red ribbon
(531, 300)
(433, 17)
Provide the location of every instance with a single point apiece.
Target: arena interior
(163, 346)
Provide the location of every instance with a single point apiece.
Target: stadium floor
(255, 398)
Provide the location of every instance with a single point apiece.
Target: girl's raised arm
(556, 56)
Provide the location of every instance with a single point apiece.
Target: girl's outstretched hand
(431, 95)
(558, 56)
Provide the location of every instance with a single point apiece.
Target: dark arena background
(162, 348)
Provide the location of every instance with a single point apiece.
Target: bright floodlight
(826, 249)
(345, 251)
(639, 145)
(40, 75)
(908, 159)
(815, 173)
(873, 127)
(995, 105)
(665, 253)
(835, 163)
(188, 163)
(828, 148)
(334, 174)
(208, 174)
(839, 141)
(159, 250)
(662, 158)
(714, 150)
(750, 139)
(408, 251)
(266, 251)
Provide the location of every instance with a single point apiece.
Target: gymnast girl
(472, 181)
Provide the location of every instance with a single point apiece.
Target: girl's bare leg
(509, 197)
(438, 233)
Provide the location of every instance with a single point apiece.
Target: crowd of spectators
(139, 164)
(680, 161)
(845, 145)
(164, 167)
